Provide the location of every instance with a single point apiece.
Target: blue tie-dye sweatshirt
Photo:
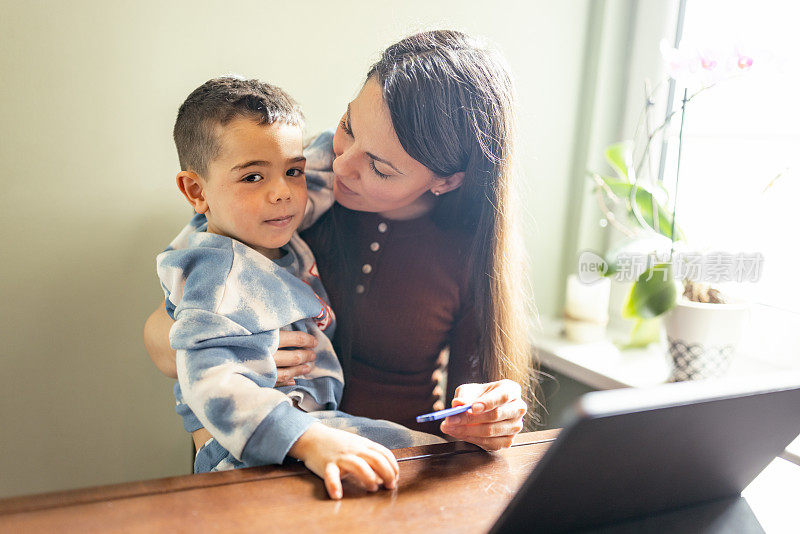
(229, 302)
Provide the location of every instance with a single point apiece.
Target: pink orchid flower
(703, 66)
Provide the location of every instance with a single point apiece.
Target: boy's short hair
(216, 103)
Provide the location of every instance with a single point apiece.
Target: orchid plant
(646, 222)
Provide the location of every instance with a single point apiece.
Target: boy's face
(255, 190)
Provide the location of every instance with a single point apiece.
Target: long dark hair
(451, 101)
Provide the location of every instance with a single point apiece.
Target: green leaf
(645, 331)
(645, 202)
(653, 293)
(618, 155)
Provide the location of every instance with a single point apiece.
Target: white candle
(586, 309)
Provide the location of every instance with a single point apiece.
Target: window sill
(602, 365)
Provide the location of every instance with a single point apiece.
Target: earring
(437, 193)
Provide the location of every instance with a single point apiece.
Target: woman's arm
(294, 357)
(498, 406)
(156, 341)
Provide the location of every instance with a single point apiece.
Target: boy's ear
(192, 188)
(448, 183)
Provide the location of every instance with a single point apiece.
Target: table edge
(128, 490)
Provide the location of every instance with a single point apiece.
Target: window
(739, 185)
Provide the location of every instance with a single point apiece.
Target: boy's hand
(335, 454)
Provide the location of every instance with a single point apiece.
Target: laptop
(631, 453)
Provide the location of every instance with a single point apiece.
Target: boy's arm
(224, 297)
(293, 358)
(227, 378)
(231, 397)
(227, 375)
(225, 336)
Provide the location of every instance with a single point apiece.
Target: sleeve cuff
(276, 434)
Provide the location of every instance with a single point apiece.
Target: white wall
(89, 94)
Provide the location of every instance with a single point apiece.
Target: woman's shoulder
(319, 176)
(318, 151)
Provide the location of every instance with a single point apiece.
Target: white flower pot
(703, 337)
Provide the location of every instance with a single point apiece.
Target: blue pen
(441, 414)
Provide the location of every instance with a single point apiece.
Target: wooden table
(452, 487)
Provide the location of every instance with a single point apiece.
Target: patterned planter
(702, 338)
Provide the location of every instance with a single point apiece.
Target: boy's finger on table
(389, 455)
(361, 471)
(333, 482)
(381, 466)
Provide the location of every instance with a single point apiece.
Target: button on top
(382, 227)
(359, 289)
(374, 246)
(366, 268)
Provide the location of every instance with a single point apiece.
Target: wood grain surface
(452, 487)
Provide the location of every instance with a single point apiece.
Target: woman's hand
(495, 417)
(294, 356)
(334, 454)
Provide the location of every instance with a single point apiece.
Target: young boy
(239, 273)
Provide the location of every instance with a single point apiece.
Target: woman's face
(372, 171)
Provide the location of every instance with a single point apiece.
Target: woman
(419, 253)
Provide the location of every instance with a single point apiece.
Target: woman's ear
(447, 184)
(191, 186)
